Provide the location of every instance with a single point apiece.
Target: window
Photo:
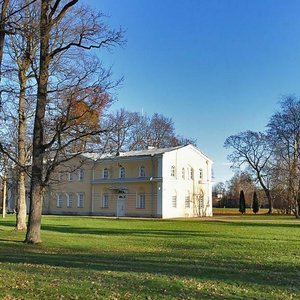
(105, 173)
(187, 201)
(70, 176)
(200, 173)
(70, 200)
(141, 201)
(122, 172)
(142, 171)
(80, 174)
(201, 201)
(174, 201)
(59, 200)
(192, 173)
(183, 173)
(173, 171)
(104, 203)
(188, 173)
(80, 199)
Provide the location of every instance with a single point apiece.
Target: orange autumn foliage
(86, 106)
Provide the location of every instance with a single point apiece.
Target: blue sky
(216, 67)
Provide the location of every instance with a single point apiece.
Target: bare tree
(119, 130)
(7, 26)
(3, 20)
(134, 131)
(241, 181)
(161, 131)
(251, 149)
(284, 136)
(82, 30)
(22, 49)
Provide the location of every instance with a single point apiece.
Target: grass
(235, 211)
(230, 257)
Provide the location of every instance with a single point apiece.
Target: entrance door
(121, 206)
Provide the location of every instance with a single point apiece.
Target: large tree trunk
(33, 235)
(36, 190)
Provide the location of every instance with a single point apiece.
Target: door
(121, 206)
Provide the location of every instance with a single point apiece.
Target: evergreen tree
(255, 203)
(242, 203)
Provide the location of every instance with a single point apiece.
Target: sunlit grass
(235, 211)
(241, 257)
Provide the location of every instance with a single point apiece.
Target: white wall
(186, 157)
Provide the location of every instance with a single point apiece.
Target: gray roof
(151, 151)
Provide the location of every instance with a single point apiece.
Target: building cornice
(126, 180)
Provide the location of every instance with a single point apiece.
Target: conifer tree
(242, 203)
(255, 203)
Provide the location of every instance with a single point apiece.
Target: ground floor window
(174, 201)
(141, 201)
(187, 201)
(59, 200)
(70, 200)
(201, 201)
(80, 200)
(104, 202)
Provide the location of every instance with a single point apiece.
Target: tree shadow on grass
(170, 261)
(10, 241)
(228, 269)
(254, 223)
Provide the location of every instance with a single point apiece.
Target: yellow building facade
(161, 183)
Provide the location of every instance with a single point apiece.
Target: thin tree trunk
(4, 197)
(21, 203)
(36, 190)
(268, 194)
(270, 200)
(2, 30)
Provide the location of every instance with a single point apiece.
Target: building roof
(151, 151)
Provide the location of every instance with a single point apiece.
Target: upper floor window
(192, 173)
(60, 176)
(122, 172)
(70, 176)
(59, 200)
(104, 203)
(105, 173)
(200, 173)
(183, 173)
(173, 171)
(80, 174)
(141, 201)
(142, 171)
(70, 197)
(188, 173)
(80, 200)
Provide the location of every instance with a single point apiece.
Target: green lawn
(235, 211)
(238, 257)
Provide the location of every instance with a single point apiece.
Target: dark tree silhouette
(242, 203)
(255, 204)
